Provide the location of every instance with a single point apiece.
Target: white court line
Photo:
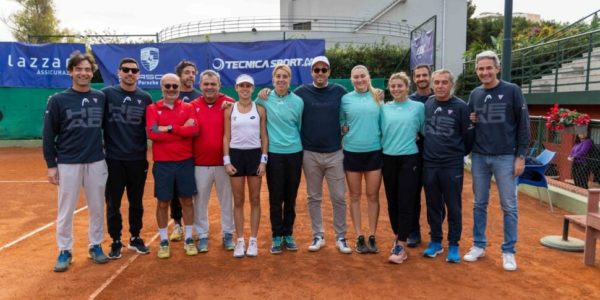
(121, 269)
(30, 234)
(23, 181)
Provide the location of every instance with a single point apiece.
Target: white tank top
(245, 128)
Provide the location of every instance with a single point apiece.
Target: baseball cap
(244, 78)
(322, 59)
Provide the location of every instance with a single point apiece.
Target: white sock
(188, 231)
(253, 238)
(240, 240)
(164, 234)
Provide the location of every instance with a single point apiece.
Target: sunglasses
(320, 70)
(132, 70)
(168, 86)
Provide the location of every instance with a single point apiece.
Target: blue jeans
(502, 167)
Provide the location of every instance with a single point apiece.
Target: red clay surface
(26, 267)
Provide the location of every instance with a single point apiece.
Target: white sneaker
(342, 245)
(474, 254)
(252, 248)
(318, 243)
(238, 251)
(508, 261)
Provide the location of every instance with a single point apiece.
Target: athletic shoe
(276, 245)
(203, 245)
(63, 261)
(372, 244)
(115, 250)
(474, 254)
(290, 243)
(239, 248)
(398, 255)
(509, 262)
(433, 249)
(228, 243)
(414, 239)
(361, 246)
(342, 245)
(177, 234)
(163, 250)
(252, 248)
(97, 255)
(137, 244)
(190, 248)
(318, 243)
(453, 254)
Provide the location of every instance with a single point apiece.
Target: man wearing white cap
(323, 156)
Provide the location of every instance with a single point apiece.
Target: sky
(149, 17)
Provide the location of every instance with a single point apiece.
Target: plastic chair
(534, 174)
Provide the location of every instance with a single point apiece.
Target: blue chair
(534, 174)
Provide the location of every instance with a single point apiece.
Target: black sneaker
(137, 244)
(372, 245)
(361, 246)
(115, 250)
(414, 239)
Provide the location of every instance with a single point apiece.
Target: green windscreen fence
(22, 109)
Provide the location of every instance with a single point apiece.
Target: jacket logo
(84, 101)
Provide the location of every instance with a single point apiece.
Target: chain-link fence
(577, 161)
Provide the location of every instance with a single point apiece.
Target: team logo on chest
(127, 99)
(500, 97)
(488, 97)
(437, 110)
(139, 101)
(84, 101)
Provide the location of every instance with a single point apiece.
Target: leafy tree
(382, 59)
(35, 22)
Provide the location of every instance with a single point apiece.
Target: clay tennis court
(29, 204)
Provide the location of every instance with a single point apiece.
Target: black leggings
(401, 175)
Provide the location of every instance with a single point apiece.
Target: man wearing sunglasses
(186, 70)
(125, 145)
(171, 125)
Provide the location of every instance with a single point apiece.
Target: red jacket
(177, 144)
(208, 145)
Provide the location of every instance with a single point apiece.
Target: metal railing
(560, 168)
(260, 24)
(562, 65)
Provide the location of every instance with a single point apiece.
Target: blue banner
(421, 49)
(155, 60)
(230, 59)
(43, 66)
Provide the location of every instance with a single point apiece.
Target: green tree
(35, 22)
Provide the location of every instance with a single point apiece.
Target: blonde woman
(284, 110)
(360, 118)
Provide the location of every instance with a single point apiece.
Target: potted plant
(566, 120)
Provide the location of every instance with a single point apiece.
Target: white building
(343, 22)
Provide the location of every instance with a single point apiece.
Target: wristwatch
(170, 128)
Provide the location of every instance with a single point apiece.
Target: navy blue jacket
(448, 133)
(72, 132)
(502, 120)
(124, 123)
(321, 130)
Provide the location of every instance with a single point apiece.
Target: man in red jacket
(208, 160)
(171, 125)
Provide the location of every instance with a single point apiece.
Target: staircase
(570, 77)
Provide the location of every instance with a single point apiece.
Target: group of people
(319, 129)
